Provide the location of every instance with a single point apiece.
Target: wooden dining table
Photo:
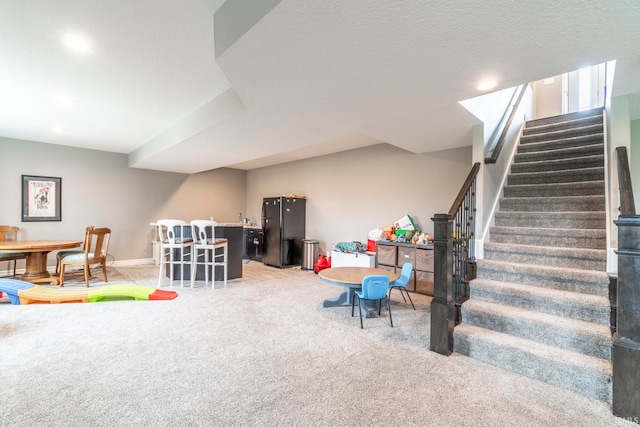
(36, 252)
(351, 279)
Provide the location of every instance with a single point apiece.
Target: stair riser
(574, 175)
(540, 156)
(559, 144)
(587, 313)
(582, 285)
(503, 219)
(542, 258)
(559, 165)
(555, 335)
(558, 204)
(588, 381)
(529, 136)
(556, 190)
(558, 241)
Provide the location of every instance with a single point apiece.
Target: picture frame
(41, 198)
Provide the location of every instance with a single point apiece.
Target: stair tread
(561, 143)
(558, 232)
(547, 293)
(564, 271)
(567, 117)
(534, 131)
(541, 350)
(580, 326)
(555, 198)
(597, 183)
(575, 150)
(550, 250)
(585, 214)
(564, 171)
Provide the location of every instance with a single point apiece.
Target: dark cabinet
(253, 243)
(391, 256)
(234, 255)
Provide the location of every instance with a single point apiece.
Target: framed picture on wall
(41, 198)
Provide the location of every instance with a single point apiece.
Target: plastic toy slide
(20, 293)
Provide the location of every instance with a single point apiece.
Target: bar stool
(171, 233)
(207, 244)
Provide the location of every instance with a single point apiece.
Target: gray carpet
(260, 352)
(540, 305)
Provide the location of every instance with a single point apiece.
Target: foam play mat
(20, 293)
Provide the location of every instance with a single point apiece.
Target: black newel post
(442, 306)
(626, 342)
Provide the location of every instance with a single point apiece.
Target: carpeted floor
(261, 351)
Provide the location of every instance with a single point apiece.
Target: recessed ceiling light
(77, 42)
(487, 85)
(57, 129)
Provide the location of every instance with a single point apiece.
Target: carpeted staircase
(539, 305)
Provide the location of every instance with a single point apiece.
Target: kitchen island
(233, 233)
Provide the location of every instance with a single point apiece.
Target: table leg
(344, 297)
(36, 269)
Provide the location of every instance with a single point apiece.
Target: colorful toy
(21, 293)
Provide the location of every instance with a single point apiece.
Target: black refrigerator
(283, 223)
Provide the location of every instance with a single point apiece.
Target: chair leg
(360, 311)
(104, 271)
(181, 264)
(162, 256)
(61, 284)
(410, 300)
(194, 267)
(390, 318)
(206, 267)
(353, 302)
(86, 275)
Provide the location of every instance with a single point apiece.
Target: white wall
(353, 192)
(548, 97)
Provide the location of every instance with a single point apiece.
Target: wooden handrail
(627, 204)
(503, 136)
(465, 188)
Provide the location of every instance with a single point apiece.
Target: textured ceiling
(309, 78)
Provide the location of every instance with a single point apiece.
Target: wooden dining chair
(95, 246)
(62, 254)
(10, 233)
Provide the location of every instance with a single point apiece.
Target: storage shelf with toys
(392, 255)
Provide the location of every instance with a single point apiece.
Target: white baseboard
(52, 268)
(612, 261)
(132, 262)
(479, 248)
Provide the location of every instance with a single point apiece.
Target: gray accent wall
(349, 193)
(98, 188)
(353, 192)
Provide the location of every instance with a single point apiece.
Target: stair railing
(497, 146)
(626, 341)
(454, 263)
